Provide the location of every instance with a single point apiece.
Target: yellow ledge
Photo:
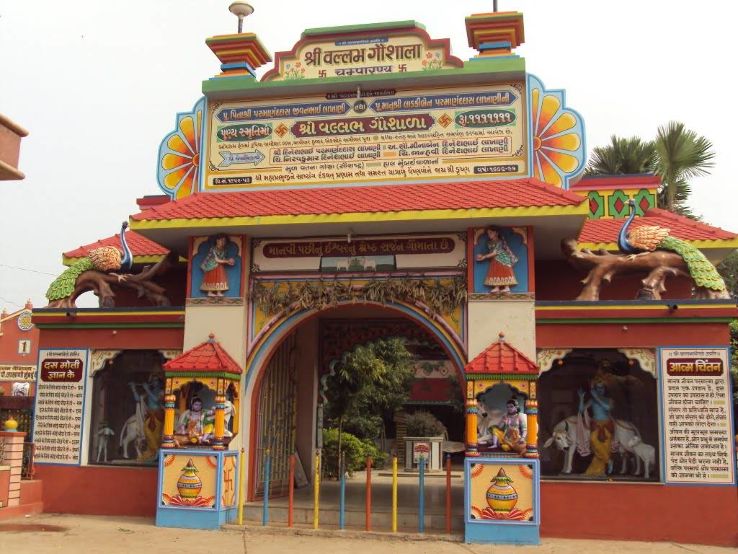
(701, 244)
(359, 217)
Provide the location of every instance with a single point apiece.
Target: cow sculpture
(565, 437)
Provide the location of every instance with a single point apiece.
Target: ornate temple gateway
(571, 335)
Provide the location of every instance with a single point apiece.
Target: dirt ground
(49, 533)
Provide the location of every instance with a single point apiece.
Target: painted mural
(500, 257)
(216, 267)
(189, 481)
(501, 492)
(228, 482)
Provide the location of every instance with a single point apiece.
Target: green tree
(728, 270)
(681, 155)
(367, 386)
(677, 155)
(622, 156)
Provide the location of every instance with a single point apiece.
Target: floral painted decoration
(557, 136)
(178, 170)
(431, 61)
(294, 71)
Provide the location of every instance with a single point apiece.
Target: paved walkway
(61, 534)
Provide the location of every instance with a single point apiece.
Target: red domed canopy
(501, 359)
(208, 358)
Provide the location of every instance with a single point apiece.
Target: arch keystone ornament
(179, 165)
(556, 136)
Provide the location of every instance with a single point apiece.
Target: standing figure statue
(215, 279)
(104, 433)
(602, 427)
(512, 431)
(150, 414)
(501, 273)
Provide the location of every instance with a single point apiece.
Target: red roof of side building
(605, 231)
(499, 358)
(208, 357)
(140, 246)
(364, 199)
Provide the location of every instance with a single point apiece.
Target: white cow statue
(486, 419)
(133, 432)
(564, 435)
(643, 453)
(20, 389)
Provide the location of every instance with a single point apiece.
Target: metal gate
(277, 418)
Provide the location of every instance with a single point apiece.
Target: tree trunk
(603, 266)
(102, 285)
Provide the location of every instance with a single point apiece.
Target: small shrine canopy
(603, 233)
(501, 360)
(144, 250)
(208, 358)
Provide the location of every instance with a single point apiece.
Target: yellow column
(394, 494)
(471, 427)
(167, 439)
(531, 412)
(241, 485)
(219, 424)
(316, 492)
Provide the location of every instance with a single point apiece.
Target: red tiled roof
(208, 357)
(365, 199)
(606, 230)
(501, 358)
(139, 245)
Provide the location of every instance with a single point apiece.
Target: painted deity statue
(501, 272)
(511, 432)
(196, 423)
(602, 426)
(215, 279)
(150, 414)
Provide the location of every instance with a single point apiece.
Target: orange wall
(9, 338)
(113, 339)
(4, 485)
(631, 335)
(647, 512)
(98, 490)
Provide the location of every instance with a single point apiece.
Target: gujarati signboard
(60, 393)
(697, 416)
(388, 135)
(360, 254)
(320, 58)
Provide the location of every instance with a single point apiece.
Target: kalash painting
(502, 492)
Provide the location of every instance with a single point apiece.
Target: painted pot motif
(501, 496)
(189, 484)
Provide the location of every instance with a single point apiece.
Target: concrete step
(381, 520)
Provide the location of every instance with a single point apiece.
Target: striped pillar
(531, 443)
(13, 457)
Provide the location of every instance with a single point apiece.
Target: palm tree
(676, 155)
(622, 156)
(682, 155)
